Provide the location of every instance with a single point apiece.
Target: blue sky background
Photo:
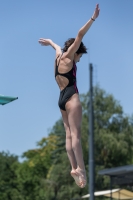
(26, 68)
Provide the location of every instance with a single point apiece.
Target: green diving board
(6, 99)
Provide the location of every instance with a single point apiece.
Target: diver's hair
(82, 48)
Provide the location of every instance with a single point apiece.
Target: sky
(27, 68)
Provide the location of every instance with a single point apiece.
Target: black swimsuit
(70, 89)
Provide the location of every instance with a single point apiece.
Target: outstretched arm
(47, 42)
(74, 47)
(86, 27)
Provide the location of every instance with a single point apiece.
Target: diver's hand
(96, 12)
(45, 42)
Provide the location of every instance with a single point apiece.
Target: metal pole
(110, 187)
(91, 139)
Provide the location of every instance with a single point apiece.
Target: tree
(35, 168)
(9, 189)
(113, 133)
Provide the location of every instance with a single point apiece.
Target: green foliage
(113, 132)
(9, 189)
(59, 132)
(35, 169)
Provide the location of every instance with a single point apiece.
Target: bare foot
(82, 177)
(75, 175)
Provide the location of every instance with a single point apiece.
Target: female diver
(69, 103)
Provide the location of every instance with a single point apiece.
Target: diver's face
(77, 57)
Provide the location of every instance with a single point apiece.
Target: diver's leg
(74, 112)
